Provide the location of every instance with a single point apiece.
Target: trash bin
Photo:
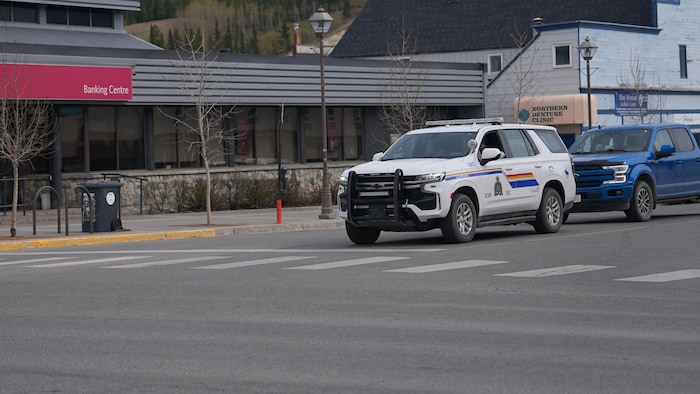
(105, 206)
(45, 201)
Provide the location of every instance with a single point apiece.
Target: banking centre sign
(54, 82)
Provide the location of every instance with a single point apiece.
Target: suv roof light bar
(464, 121)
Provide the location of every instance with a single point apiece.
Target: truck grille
(592, 174)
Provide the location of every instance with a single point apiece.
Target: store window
(344, 134)
(115, 138)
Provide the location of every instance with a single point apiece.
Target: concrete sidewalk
(158, 227)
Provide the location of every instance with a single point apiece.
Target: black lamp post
(587, 49)
(321, 22)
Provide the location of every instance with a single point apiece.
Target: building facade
(645, 68)
(124, 105)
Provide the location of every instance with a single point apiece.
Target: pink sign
(52, 82)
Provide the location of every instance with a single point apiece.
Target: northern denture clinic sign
(54, 82)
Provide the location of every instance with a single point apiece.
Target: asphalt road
(603, 306)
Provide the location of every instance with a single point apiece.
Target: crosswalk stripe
(447, 266)
(664, 277)
(249, 263)
(35, 260)
(85, 262)
(169, 262)
(348, 263)
(567, 269)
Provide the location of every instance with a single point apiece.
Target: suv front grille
(381, 196)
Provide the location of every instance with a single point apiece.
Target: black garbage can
(105, 206)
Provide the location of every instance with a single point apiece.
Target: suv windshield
(430, 145)
(635, 140)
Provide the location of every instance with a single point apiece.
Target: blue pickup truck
(634, 168)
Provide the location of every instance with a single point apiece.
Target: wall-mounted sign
(565, 109)
(631, 104)
(53, 82)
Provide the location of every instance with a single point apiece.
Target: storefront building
(118, 99)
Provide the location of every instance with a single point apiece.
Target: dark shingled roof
(463, 25)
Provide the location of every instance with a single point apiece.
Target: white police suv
(458, 175)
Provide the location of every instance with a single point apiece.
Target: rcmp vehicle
(458, 175)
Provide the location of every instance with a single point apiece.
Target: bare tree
(524, 80)
(634, 83)
(25, 125)
(196, 65)
(402, 111)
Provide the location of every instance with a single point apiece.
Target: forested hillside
(241, 26)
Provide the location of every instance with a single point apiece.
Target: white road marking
(170, 262)
(568, 269)
(94, 261)
(377, 250)
(447, 266)
(249, 263)
(35, 260)
(664, 277)
(348, 263)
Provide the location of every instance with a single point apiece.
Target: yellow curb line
(104, 239)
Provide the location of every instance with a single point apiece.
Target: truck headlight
(343, 180)
(429, 178)
(619, 173)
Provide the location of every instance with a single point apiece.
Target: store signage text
(54, 82)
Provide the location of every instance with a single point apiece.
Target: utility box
(102, 206)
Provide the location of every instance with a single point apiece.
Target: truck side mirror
(665, 151)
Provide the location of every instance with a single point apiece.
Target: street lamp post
(587, 49)
(321, 22)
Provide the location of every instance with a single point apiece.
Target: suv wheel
(362, 235)
(642, 203)
(550, 215)
(460, 224)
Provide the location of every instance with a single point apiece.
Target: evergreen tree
(156, 37)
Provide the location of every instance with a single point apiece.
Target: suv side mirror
(377, 156)
(490, 154)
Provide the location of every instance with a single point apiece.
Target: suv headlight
(343, 180)
(619, 173)
(430, 178)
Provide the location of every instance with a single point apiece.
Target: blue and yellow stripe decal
(525, 179)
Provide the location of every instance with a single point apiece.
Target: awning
(563, 109)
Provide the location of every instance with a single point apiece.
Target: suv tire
(362, 235)
(460, 224)
(550, 215)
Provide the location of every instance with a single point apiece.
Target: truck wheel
(361, 235)
(460, 224)
(550, 215)
(642, 203)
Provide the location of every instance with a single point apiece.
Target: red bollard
(279, 211)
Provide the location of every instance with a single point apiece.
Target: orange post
(279, 211)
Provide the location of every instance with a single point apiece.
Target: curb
(104, 239)
(59, 241)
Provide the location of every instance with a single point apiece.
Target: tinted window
(24, 13)
(56, 15)
(5, 11)
(79, 17)
(682, 140)
(102, 18)
(552, 140)
(519, 144)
